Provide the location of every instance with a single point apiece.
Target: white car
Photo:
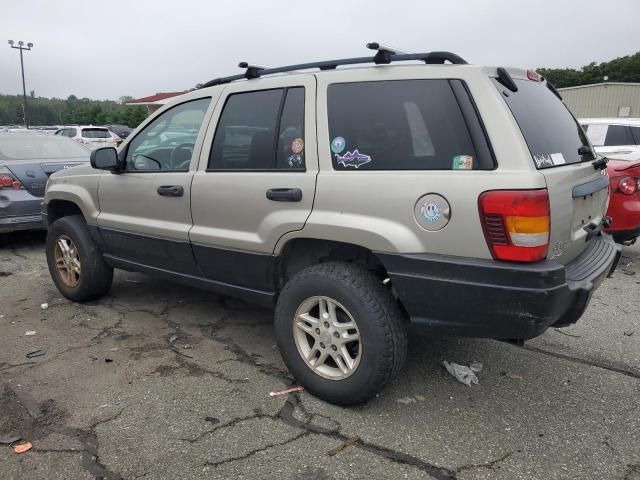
(613, 136)
(92, 137)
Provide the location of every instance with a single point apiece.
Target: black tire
(382, 326)
(95, 277)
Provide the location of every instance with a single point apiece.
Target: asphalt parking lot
(161, 381)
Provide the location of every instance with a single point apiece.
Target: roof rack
(384, 55)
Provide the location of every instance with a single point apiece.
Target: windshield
(551, 132)
(34, 147)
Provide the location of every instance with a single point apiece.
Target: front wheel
(75, 263)
(340, 332)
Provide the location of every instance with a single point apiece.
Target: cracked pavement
(158, 380)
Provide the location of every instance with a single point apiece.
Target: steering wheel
(148, 157)
(174, 159)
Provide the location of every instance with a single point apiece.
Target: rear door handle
(170, 190)
(284, 194)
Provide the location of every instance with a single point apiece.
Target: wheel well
(301, 253)
(61, 208)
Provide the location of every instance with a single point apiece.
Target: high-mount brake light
(516, 224)
(534, 76)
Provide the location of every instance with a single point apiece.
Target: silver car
(461, 199)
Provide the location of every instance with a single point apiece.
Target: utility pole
(21, 47)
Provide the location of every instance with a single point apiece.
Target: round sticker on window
(297, 145)
(338, 144)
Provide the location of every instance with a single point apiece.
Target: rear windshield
(399, 125)
(33, 147)
(551, 132)
(95, 133)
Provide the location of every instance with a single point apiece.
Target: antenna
(384, 52)
(253, 71)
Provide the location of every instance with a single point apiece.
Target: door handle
(170, 190)
(284, 194)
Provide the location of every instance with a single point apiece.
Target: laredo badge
(355, 159)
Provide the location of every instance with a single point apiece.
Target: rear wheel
(340, 332)
(75, 263)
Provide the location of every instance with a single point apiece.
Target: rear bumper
(484, 298)
(19, 210)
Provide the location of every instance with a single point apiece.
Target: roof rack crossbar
(429, 58)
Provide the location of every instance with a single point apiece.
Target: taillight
(629, 185)
(7, 180)
(533, 75)
(516, 224)
(78, 139)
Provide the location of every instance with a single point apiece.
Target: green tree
(56, 111)
(622, 69)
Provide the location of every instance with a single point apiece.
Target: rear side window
(617, 135)
(95, 133)
(260, 130)
(551, 132)
(401, 125)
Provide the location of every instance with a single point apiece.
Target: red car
(624, 200)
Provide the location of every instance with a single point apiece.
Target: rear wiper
(585, 150)
(600, 163)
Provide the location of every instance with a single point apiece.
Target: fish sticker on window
(352, 159)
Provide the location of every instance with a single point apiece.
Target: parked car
(50, 130)
(89, 135)
(115, 139)
(624, 204)
(464, 199)
(26, 161)
(121, 131)
(613, 136)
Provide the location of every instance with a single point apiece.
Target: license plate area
(586, 210)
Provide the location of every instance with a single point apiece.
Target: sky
(115, 48)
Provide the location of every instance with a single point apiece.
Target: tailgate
(578, 196)
(560, 150)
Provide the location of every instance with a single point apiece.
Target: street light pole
(21, 47)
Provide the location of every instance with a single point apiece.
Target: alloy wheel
(67, 261)
(327, 338)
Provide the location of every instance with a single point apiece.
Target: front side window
(399, 125)
(260, 130)
(166, 144)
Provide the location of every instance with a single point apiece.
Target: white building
(609, 99)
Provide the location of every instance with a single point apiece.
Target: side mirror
(105, 158)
